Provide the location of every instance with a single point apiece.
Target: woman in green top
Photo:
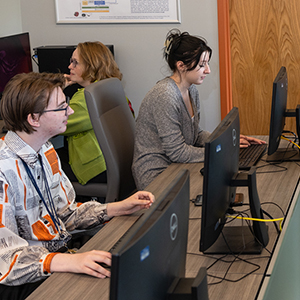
(90, 62)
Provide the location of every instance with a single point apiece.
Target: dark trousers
(18, 292)
(64, 159)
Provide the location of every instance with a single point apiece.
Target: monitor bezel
(279, 113)
(221, 177)
(212, 221)
(23, 40)
(174, 200)
(278, 109)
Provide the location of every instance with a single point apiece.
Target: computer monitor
(277, 122)
(56, 59)
(15, 57)
(150, 259)
(221, 177)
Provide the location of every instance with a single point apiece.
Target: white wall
(10, 17)
(138, 47)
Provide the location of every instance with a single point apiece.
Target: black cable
(33, 58)
(273, 203)
(231, 280)
(274, 222)
(293, 133)
(236, 257)
(275, 164)
(249, 225)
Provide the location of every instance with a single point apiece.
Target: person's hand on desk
(246, 141)
(86, 263)
(139, 200)
(89, 262)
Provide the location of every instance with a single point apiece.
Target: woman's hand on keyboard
(246, 141)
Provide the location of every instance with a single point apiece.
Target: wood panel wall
(264, 35)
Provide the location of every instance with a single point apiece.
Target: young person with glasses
(38, 209)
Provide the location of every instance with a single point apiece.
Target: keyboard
(250, 156)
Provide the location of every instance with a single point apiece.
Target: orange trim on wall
(224, 57)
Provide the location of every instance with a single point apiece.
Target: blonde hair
(98, 62)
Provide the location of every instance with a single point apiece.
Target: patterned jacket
(28, 236)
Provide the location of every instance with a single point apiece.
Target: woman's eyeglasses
(74, 62)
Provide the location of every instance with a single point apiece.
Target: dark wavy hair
(184, 47)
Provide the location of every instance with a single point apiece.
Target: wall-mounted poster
(118, 11)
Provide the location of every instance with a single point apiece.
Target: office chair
(114, 128)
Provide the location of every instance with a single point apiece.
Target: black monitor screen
(220, 165)
(279, 112)
(15, 57)
(56, 59)
(279, 100)
(153, 252)
(220, 179)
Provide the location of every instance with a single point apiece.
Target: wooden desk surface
(274, 184)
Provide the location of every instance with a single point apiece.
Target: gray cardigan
(165, 132)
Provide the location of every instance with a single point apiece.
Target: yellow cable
(258, 220)
(254, 219)
(284, 138)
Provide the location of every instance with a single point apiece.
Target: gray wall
(138, 47)
(10, 17)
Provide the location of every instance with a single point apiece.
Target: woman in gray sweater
(168, 124)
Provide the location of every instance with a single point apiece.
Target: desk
(281, 280)
(276, 187)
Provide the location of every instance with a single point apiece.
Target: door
(263, 36)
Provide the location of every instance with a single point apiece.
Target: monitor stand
(189, 288)
(283, 154)
(239, 240)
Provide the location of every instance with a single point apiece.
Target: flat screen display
(15, 57)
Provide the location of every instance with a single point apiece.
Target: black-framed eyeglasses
(61, 109)
(74, 62)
